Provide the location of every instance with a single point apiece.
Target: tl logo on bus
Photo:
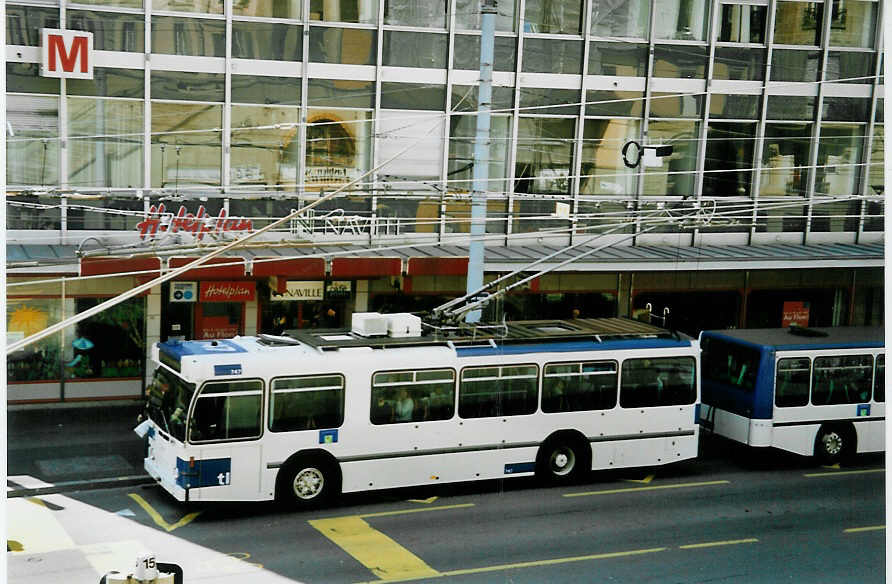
(66, 53)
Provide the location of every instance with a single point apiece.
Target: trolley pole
(488, 9)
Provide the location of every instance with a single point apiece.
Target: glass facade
(759, 99)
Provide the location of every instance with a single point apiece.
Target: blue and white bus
(811, 391)
(306, 416)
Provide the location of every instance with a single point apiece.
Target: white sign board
(183, 291)
(299, 290)
(66, 53)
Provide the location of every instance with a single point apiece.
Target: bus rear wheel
(307, 483)
(562, 460)
(833, 444)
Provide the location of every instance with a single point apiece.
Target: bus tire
(834, 443)
(563, 459)
(307, 481)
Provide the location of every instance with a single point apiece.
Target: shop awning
(237, 270)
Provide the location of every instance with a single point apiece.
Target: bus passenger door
(227, 472)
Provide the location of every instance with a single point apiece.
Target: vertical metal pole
(488, 9)
(62, 349)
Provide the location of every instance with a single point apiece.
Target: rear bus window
(227, 411)
(307, 403)
(665, 381)
(729, 363)
(498, 391)
(844, 379)
(575, 387)
(412, 396)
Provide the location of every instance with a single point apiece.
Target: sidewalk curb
(84, 485)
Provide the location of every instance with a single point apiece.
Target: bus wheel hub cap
(832, 443)
(308, 483)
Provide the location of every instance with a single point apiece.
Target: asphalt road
(730, 516)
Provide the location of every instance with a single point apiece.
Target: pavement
(57, 448)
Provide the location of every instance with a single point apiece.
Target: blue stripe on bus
(520, 467)
(212, 472)
(571, 346)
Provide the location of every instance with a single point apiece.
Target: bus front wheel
(833, 444)
(562, 460)
(307, 482)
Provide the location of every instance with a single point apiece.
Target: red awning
(236, 270)
(435, 266)
(365, 267)
(102, 266)
(311, 268)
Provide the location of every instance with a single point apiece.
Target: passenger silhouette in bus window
(404, 407)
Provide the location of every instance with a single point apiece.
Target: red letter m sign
(66, 53)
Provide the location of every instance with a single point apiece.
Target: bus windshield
(168, 402)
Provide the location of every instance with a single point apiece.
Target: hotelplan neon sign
(159, 221)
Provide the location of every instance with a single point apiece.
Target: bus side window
(791, 382)
(879, 380)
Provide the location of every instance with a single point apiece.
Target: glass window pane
(842, 380)
(415, 49)
(307, 409)
(111, 31)
(791, 386)
(621, 19)
(676, 174)
(91, 215)
(467, 53)
(413, 400)
(188, 86)
(552, 56)
(657, 382)
(396, 131)
(737, 106)
(875, 173)
(268, 8)
(784, 159)
(681, 19)
(798, 23)
(23, 24)
(729, 147)
(462, 133)
(673, 105)
(794, 65)
(680, 61)
(603, 171)
(181, 157)
(225, 418)
(744, 64)
(467, 15)
(205, 6)
(791, 107)
(850, 67)
(114, 337)
(839, 157)
(853, 23)
(430, 14)
(566, 390)
(26, 78)
(122, 3)
(620, 59)
(499, 396)
(341, 93)
(188, 36)
(464, 98)
(338, 146)
(544, 155)
(614, 103)
(566, 101)
(40, 361)
(32, 152)
(417, 96)
(265, 40)
(265, 156)
(267, 90)
(742, 23)
(879, 383)
(109, 82)
(27, 211)
(846, 109)
(348, 46)
(115, 161)
(359, 11)
(553, 17)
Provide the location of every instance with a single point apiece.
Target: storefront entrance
(219, 320)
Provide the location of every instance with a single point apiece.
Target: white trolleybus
(306, 416)
(811, 391)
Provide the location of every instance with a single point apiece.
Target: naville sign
(66, 53)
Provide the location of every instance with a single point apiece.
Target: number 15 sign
(66, 53)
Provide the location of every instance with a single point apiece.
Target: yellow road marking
(386, 558)
(429, 500)
(416, 510)
(860, 529)
(654, 488)
(645, 481)
(156, 517)
(843, 472)
(34, 527)
(693, 546)
(532, 564)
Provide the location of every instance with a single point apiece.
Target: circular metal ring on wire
(625, 153)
